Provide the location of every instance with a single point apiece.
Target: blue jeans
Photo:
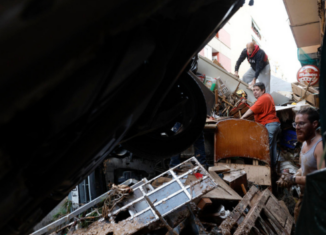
(273, 130)
(199, 146)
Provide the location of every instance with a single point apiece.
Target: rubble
(127, 210)
(258, 211)
(178, 201)
(188, 199)
(304, 92)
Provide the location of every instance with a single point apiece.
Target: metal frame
(190, 192)
(51, 227)
(147, 205)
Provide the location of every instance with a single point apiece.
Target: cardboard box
(312, 95)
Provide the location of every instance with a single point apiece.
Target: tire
(192, 117)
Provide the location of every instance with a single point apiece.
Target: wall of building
(229, 42)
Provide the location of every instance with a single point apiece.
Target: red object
(240, 105)
(307, 74)
(254, 53)
(198, 175)
(202, 77)
(264, 110)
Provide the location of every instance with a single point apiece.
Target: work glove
(285, 181)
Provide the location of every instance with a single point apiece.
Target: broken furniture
(223, 190)
(240, 110)
(147, 205)
(235, 179)
(259, 212)
(248, 140)
(66, 219)
(303, 92)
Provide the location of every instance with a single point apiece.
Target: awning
(304, 22)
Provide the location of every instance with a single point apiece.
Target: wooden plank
(277, 211)
(243, 189)
(235, 215)
(290, 219)
(219, 169)
(204, 202)
(311, 96)
(260, 175)
(253, 214)
(223, 191)
(280, 212)
(235, 181)
(279, 219)
(277, 227)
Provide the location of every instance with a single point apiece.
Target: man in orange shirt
(265, 114)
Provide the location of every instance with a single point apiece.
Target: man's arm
(319, 155)
(247, 114)
(242, 57)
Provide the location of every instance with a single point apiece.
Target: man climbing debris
(260, 68)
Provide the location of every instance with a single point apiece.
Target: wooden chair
(248, 140)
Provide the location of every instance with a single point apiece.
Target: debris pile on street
(227, 103)
(183, 200)
(142, 206)
(258, 213)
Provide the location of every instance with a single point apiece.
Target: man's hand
(285, 181)
(236, 74)
(251, 85)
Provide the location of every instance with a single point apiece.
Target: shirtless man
(306, 123)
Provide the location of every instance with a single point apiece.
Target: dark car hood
(75, 77)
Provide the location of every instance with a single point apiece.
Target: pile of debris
(227, 103)
(302, 92)
(184, 200)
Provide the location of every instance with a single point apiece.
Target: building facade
(229, 42)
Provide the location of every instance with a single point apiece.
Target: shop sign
(307, 74)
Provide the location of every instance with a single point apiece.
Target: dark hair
(260, 85)
(312, 113)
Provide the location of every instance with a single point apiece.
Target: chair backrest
(241, 138)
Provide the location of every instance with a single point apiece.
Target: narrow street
(162, 117)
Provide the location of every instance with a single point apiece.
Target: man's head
(258, 89)
(250, 47)
(307, 121)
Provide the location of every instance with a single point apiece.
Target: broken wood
(235, 215)
(278, 218)
(236, 89)
(235, 179)
(305, 93)
(243, 189)
(223, 191)
(223, 99)
(204, 202)
(219, 169)
(253, 214)
(260, 175)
